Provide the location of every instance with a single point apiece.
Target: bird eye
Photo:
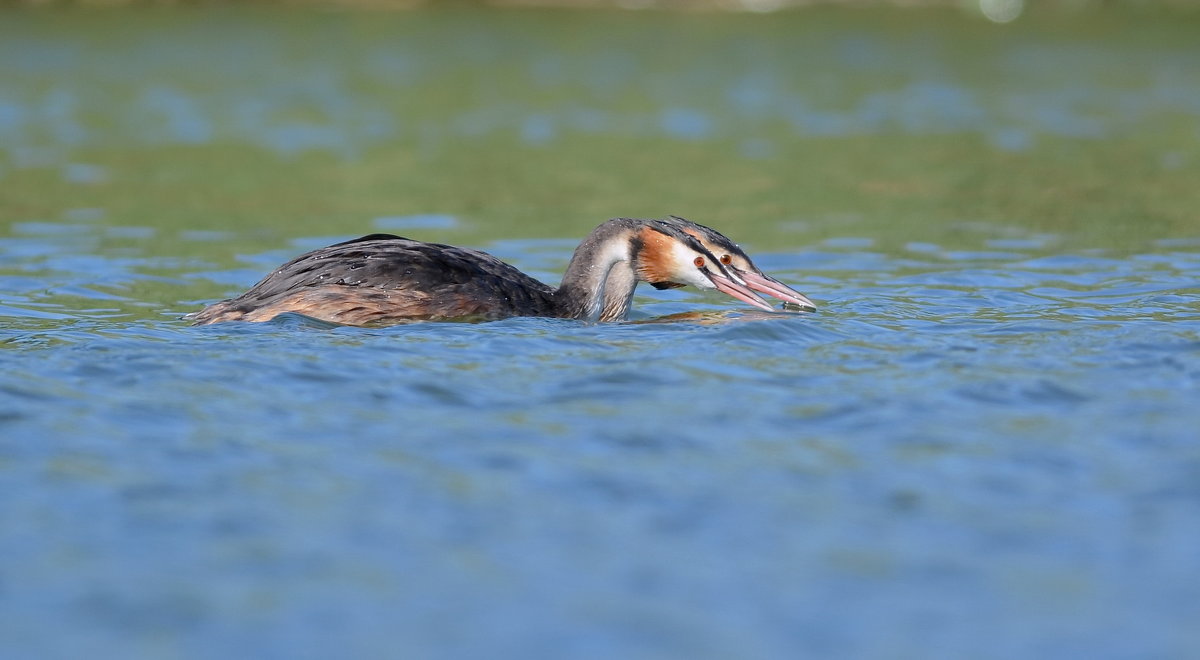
(726, 259)
(699, 261)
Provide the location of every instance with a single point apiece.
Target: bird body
(383, 279)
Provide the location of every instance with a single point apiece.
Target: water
(983, 445)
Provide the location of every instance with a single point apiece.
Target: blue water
(957, 447)
(983, 445)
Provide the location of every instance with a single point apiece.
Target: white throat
(611, 276)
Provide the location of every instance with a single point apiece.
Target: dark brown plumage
(383, 278)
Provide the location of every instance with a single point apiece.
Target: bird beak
(739, 291)
(773, 287)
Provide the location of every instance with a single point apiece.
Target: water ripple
(986, 426)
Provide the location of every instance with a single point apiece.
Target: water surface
(982, 445)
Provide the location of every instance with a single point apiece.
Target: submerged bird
(381, 278)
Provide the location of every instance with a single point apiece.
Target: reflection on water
(982, 445)
(716, 317)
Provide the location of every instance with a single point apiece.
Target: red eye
(726, 259)
(699, 261)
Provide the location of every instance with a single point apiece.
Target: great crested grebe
(381, 278)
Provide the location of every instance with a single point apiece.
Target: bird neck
(599, 282)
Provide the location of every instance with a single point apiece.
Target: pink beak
(773, 287)
(739, 291)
